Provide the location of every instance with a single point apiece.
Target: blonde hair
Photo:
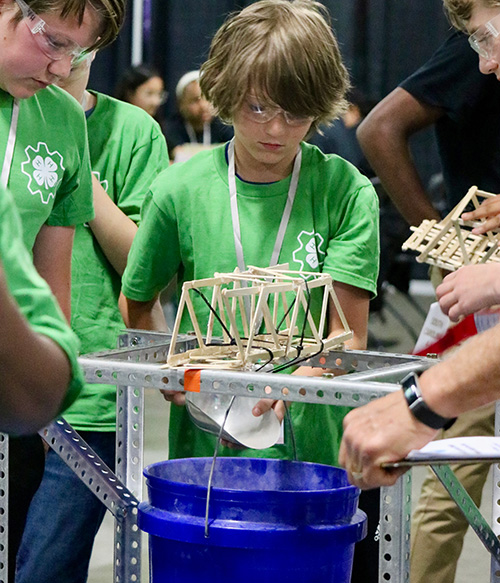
(111, 12)
(460, 11)
(286, 53)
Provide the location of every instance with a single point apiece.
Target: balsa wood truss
(256, 297)
(450, 244)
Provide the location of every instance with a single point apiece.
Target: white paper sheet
(458, 448)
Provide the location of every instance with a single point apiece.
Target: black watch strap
(419, 408)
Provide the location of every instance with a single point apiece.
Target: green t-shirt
(50, 171)
(333, 228)
(32, 293)
(127, 151)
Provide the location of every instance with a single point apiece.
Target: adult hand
(489, 209)
(470, 289)
(380, 432)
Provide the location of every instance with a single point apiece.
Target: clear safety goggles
(53, 44)
(264, 113)
(483, 39)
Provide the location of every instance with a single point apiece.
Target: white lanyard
(231, 176)
(207, 134)
(11, 142)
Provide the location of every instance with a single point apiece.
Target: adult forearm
(386, 431)
(469, 379)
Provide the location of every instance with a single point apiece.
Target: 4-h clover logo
(104, 183)
(44, 171)
(309, 249)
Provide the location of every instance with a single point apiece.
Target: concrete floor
(390, 334)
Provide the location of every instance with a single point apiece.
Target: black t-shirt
(468, 135)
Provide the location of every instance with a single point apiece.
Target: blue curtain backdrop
(382, 41)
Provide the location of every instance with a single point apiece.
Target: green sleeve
(74, 204)
(353, 252)
(149, 158)
(154, 257)
(32, 293)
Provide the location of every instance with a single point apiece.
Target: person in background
(386, 430)
(275, 72)
(194, 122)
(340, 137)
(47, 170)
(450, 94)
(143, 86)
(127, 151)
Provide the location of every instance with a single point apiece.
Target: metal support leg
(395, 520)
(495, 518)
(122, 503)
(4, 507)
(129, 464)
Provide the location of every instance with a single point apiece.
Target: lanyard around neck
(231, 176)
(11, 142)
(207, 133)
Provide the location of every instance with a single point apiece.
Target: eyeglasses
(263, 114)
(160, 96)
(482, 41)
(53, 44)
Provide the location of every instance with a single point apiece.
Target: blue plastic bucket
(270, 521)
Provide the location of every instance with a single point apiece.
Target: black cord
(285, 315)
(271, 356)
(224, 327)
(298, 359)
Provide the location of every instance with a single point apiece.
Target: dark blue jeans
(63, 520)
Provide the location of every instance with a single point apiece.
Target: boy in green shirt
(44, 162)
(275, 72)
(127, 151)
(275, 95)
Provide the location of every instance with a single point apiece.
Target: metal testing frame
(135, 366)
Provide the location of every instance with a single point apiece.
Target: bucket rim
(163, 483)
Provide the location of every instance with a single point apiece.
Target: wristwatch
(419, 408)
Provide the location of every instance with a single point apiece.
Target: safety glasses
(263, 114)
(483, 39)
(53, 44)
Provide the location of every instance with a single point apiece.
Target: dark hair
(133, 78)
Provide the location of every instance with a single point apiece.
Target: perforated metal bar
(129, 464)
(395, 521)
(129, 437)
(4, 507)
(99, 478)
(336, 391)
(88, 466)
(361, 360)
(468, 507)
(495, 510)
